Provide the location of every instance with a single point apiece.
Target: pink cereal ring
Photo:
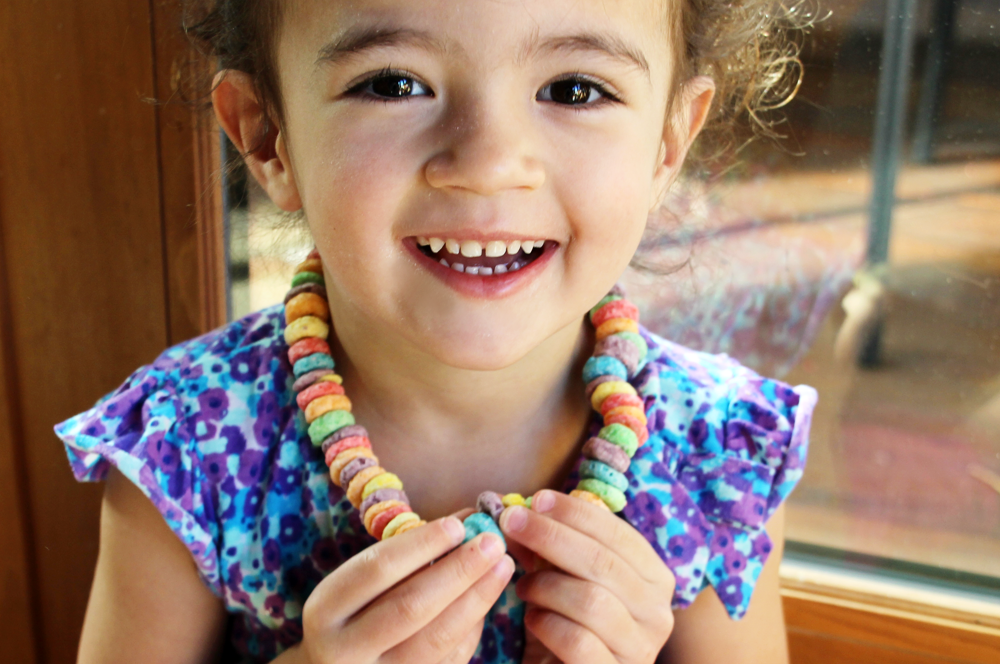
(618, 400)
(345, 444)
(616, 309)
(317, 390)
(633, 423)
(382, 520)
(305, 347)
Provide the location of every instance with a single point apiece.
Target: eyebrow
(365, 38)
(603, 44)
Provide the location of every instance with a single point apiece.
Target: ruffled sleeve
(140, 430)
(726, 448)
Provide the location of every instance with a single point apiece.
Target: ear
(679, 131)
(258, 137)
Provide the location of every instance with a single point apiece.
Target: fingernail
(455, 529)
(514, 518)
(543, 501)
(504, 568)
(491, 545)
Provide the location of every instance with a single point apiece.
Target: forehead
(497, 30)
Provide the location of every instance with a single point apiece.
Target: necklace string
(619, 354)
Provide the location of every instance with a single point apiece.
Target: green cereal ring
(598, 470)
(620, 435)
(604, 300)
(307, 278)
(327, 423)
(612, 497)
(639, 342)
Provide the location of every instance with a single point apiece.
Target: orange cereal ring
(317, 390)
(605, 390)
(357, 484)
(615, 309)
(305, 327)
(325, 404)
(614, 326)
(345, 458)
(409, 525)
(310, 264)
(377, 509)
(305, 348)
(382, 520)
(306, 304)
(626, 410)
(589, 497)
(620, 399)
(346, 444)
(637, 427)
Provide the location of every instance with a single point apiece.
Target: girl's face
(476, 124)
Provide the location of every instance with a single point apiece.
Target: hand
(609, 598)
(388, 604)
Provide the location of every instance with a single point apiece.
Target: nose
(486, 149)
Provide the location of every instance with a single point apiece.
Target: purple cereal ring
(621, 349)
(379, 495)
(354, 467)
(307, 379)
(491, 503)
(609, 453)
(592, 385)
(306, 288)
(342, 433)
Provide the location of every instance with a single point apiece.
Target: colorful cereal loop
(616, 309)
(606, 389)
(306, 304)
(307, 326)
(614, 326)
(301, 278)
(589, 497)
(396, 523)
(327, 423)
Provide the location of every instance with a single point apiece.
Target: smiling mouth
(490, 258)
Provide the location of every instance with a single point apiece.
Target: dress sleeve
(140, 430)
(711, 476)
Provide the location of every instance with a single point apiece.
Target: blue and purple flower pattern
(211, 433)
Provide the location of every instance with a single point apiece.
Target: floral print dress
(211, 433)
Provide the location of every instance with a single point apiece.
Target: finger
(410, 606)
(385, 564)
(450, 628)
(571, 551)
(605, 527)
(463, 513)
(569, 641)
(467, 648)
(588, 604)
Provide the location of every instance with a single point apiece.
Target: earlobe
(257, 137)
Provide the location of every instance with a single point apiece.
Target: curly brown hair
(749, 48)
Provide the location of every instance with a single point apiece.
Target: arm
(704, 633)
(147, 603)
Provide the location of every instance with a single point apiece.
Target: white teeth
(436, 244)
(488, 271)
(453, 246)
(472, 269)
(513, 247)
(515, 266)
(423, 242)
(471, 249)
(495, 249)
(444, 262)
(458, 267)
(527, 246)
(500, 269)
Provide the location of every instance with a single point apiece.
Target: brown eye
(392, 86)
(573, 92)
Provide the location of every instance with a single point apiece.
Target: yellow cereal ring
(377, 509)
(589, 497)
(512, 499)
(325, 404)
(383, 481)
(397, 522)
(606, 389)
(614, 326)
(408, 525)
(333, 378)
(627, 410)
(359, 481)
(307, 326)
(306, 304)
(310, 265)
(345, 457)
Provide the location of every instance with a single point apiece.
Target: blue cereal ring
(601, 471)
(481, 522)
(311, 363)
(605, 365)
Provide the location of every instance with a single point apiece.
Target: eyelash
(359, 89)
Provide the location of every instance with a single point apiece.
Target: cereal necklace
(378, 494)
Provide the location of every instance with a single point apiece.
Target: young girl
(476, 176)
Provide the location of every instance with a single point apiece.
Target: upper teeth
(474, 249)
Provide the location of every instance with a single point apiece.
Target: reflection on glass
(768, 264)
